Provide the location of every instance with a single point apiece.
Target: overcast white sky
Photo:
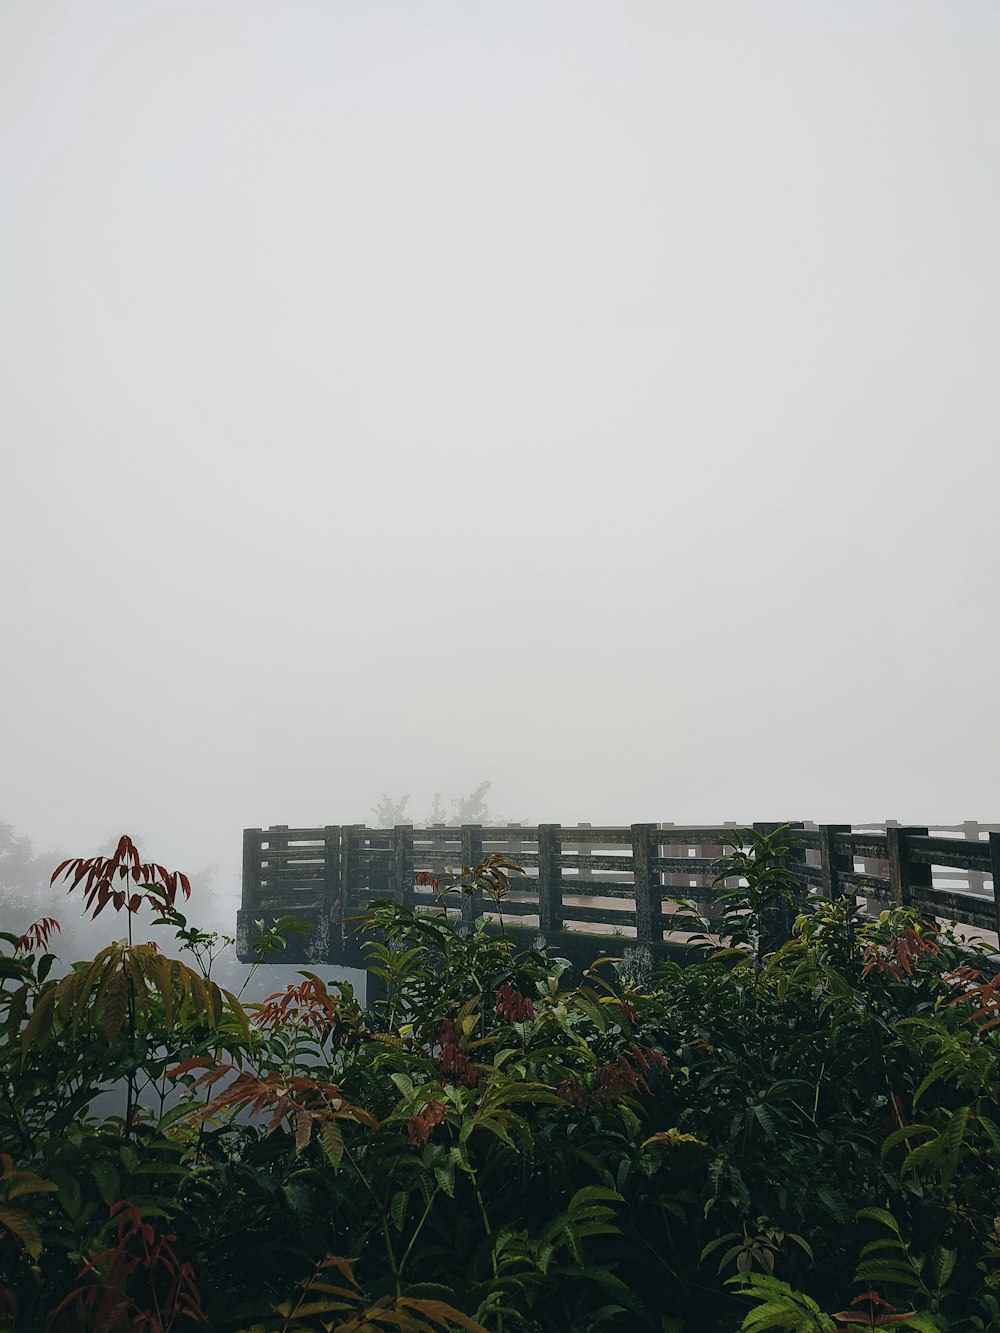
(599, 398)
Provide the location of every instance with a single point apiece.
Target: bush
(796, 1139)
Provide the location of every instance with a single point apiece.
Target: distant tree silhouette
(471, 809)
(390, 811)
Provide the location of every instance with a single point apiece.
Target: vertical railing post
(904, 876)
(472, 854)
(349, 895)
(513, 847)
(550, 903)
(646, 891)
(878, 866)
(832, 862)
(402, 863)
(995, 873)
(379, 877)
(252, 838)
(247, 943)
(796, 857)
(776, 925)
(710, 908)
(333, 905)
(707, 906)
(976, 878)
(584, 851)
(277, 870)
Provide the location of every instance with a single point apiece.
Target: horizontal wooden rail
(951, 852)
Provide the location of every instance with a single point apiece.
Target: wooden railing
(612, 881)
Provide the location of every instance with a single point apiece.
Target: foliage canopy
(800, 1138)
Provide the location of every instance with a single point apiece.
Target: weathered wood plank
(284, 834)
(686, 865)
(596, 888)
(512, 907)
(904, 876)
(251, 869)
(623, 864)
(858, 883)
(967, 908)
(304, 852)
(955, 853)
(272, 875)
(549, 888)
(692, 836)
(402, 862)
(648, 920)
(872, 846)
(813, 874)
(608, 916)
(804, 837)
(835, 860)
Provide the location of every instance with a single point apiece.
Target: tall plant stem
(131, 1095)
(390, 1253)
(420, 1226)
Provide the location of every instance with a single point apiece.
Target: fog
(595, 398)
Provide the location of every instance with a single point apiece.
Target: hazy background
(597, 398)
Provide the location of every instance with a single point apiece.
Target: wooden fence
(606, 883)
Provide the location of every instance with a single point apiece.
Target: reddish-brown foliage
(99, 874)
(870, 1318)
(37, 934)
(419, 1126)
(309, 1003)
(899, 956)
(513, 1006)
(452, 1062)
(101, 1300)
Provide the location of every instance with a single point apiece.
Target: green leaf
(613, 1286)
(593, 1194)
(992, 1130)
(333, 1142)
(70, 1195)
(835, 1203)
(404, 1083)
(107, 1180)
(943, 1262)
(885, 1270)
(879, 1215)
(115, 1006)
(766, 1120)
(40, 1022)
(903, 1135)
(954, 1136)
(924, 1323)
(927, 1152)
(937, 1072)
(24, 1227)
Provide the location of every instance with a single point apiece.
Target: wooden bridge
(595, 890)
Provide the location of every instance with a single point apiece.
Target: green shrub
(804, 1138)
